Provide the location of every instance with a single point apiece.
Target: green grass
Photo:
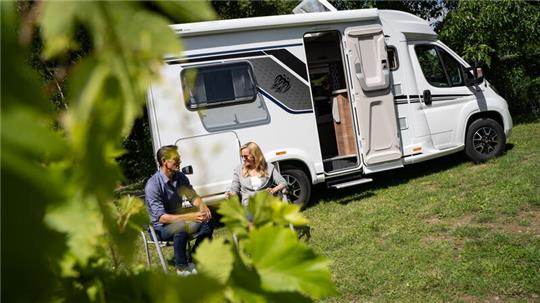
(442, 230)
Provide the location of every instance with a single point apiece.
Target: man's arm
(203, 208)
(194, 216)
(187, 190)
(157, 210)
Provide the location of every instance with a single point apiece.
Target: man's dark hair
(164, 151)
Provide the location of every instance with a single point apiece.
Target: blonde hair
(260, 163)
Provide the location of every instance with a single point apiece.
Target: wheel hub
(485, 140)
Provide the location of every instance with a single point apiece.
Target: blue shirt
(165, 196)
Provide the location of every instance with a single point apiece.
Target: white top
(256, 182)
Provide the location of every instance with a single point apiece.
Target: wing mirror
(474, 75)
(187, 170)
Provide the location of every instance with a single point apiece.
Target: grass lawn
(441, 230)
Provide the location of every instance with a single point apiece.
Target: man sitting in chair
(167, 193)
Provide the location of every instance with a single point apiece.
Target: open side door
(213, 158)
(370, 88)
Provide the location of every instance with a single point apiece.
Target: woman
(254, 174)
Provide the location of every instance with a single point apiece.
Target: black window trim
(199, 106)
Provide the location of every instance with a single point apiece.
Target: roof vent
(314, 6)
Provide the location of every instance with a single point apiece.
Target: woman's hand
(229, 194)
(272, 190)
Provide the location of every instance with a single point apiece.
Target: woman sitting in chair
(254, 175)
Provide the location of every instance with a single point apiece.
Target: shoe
(183, 271)
(191, 268)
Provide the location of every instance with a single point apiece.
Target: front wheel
(485, 140)
(299, 185)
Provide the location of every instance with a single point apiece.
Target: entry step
(350, 183)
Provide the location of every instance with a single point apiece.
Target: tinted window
(453, 68)
(215, 85)
(431, 65)
(439, 67)
(225, 96)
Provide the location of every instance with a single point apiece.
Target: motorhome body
(330, 97)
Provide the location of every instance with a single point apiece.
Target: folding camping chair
(158, 244)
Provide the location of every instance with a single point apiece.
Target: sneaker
(191, 268)
(183, 271)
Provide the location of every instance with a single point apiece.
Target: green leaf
(286, 213)
(215, 259)
(81, 221)
(130, 216)
(286, 264)
(245, 286)
(234, 216)
(267, 208)
(260, 207)
(57, 23)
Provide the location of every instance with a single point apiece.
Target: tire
(485, 139)
(299, 185)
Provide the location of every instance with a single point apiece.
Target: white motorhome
(329, 96)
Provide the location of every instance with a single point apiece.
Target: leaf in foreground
(286, 264)
(215, 259)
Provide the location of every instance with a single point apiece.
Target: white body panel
(407, 132)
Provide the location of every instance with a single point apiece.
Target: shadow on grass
(387, 179)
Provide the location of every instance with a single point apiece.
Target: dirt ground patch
(527, 222)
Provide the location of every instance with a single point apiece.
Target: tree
(505, 37)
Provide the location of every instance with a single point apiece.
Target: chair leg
(146, 251)
(158, 248)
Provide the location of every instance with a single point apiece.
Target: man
(166, 192)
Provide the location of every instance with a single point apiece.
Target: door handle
(427, 97)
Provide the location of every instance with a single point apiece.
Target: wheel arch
(491, 114)
(295, 163)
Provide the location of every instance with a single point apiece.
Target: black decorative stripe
(281, 54)
(289, 60)
(402, 99)
(213, 58)
(278, 103)
(453, 96)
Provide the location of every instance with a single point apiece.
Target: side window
(431, 65)
(219, 84)
(224, 95)
(392, 58)
(453, 68)
(439, 67)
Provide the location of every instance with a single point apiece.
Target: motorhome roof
(266, 22)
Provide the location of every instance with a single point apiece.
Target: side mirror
(427, 97)
(474, 75)
(187, 170)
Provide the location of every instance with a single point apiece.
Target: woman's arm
(279, 180)
(235, 185)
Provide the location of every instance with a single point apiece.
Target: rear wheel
(485, 140)
(299, 185)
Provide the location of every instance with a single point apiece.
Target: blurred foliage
(267, 261)
(138, 163)
(65, 234)
(504, 36)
